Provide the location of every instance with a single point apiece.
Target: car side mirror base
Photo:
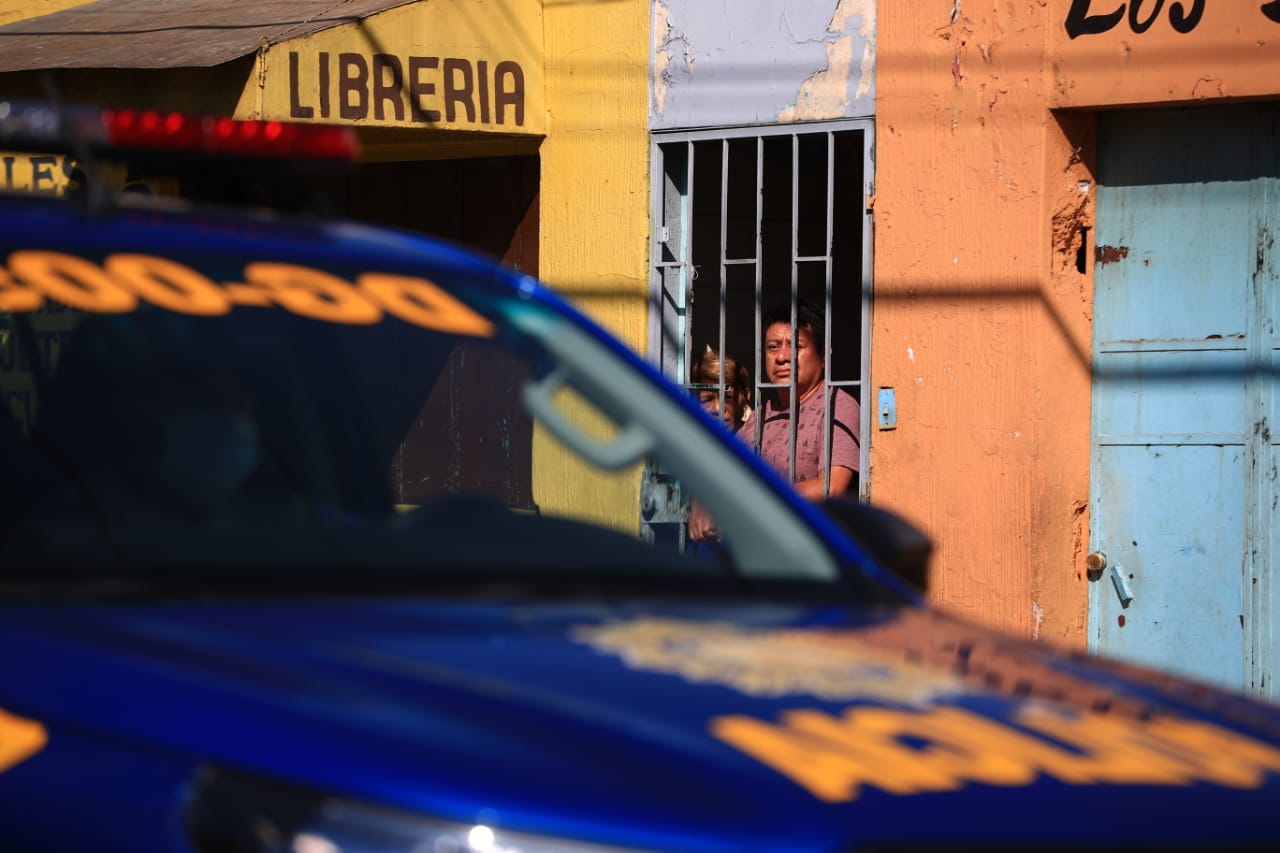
(895, 542)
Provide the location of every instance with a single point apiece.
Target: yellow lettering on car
(122, 279)
(169, 284)
(944, 748)
(1222, 756)
(20, 739)
(72, 280)
(312, 293)
(424, 303)
(16, 297)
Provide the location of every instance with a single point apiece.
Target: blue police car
(305, 545)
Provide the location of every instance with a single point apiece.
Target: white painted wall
(754, 62)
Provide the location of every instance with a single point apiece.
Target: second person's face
(732, 414)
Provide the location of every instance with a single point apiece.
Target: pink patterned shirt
(845, 419)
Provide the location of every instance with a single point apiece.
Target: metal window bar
(724, 269)
(828, 396)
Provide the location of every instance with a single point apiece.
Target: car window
(289, 404)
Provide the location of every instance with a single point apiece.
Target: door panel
(1169, 253)
(1183, 483)
(1182, 570)
(1163, 396)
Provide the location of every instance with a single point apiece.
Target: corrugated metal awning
(170, 33)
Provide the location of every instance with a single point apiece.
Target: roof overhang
(165, 34)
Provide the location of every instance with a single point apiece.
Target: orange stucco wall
(1147, 52)
(983, 297)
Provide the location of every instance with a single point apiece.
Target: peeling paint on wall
(825, 95)
(761, 62)
(1110, 254)
(665, 41)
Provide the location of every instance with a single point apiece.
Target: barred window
(752, 224)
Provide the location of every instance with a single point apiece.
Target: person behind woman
(737, 387)
(737, 407)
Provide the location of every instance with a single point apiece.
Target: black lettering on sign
(513, 97)
(1081, 23)
(420, 88)
(1185, 22)
(1272, 10)
(1083, 20)
(42, 173)
(454, 90)
(388, 83)
(353, 86)
(296, 108)
(324, 85)
(458, 89)
(482, 80)
(1141, 26)
(37, 173)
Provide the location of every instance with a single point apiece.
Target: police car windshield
(204, 407)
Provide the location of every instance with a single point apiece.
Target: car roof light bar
(38, 126)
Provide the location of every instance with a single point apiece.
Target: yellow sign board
(46, 174)
(470, 65)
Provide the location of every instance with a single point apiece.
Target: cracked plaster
(761, 62)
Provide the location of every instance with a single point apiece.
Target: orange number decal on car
(16, 297)
(117, 284)
(423, 303)
(20, 739)
(72, 281)
(834, 756)
(169, 284)
(313, 293)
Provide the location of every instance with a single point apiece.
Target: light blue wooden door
(1184, 467)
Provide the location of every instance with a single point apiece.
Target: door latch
(1121, 584)
(1094, 565)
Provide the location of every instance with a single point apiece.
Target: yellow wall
(595, 190)
(982, 321)
(20, 10)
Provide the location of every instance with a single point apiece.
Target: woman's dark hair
(737, 380)
(808, 316)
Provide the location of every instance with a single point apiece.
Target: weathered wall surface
(983, 289)
(753, 62)
(981, 315)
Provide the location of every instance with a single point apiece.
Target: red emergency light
(227, 137)
(37, 126)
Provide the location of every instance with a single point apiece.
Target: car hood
(666, 725)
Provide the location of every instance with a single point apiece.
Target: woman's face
(780, 360)
(732, 414)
